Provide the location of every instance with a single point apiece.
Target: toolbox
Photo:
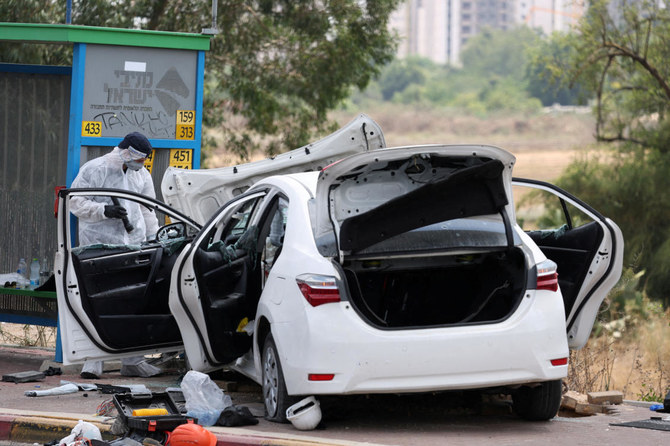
(154, 412)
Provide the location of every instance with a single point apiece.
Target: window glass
(537, 209)
(475, 232)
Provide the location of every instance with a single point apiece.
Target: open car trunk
(418, 292)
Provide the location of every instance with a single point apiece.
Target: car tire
(275, 396)
(539, 403)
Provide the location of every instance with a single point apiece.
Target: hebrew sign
(129, 89)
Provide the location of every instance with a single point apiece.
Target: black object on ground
(53, 371)
(126, 403)
(23, 377)
(108, 388)
(233, 416)
(652, 423)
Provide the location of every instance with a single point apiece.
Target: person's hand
(115, 211)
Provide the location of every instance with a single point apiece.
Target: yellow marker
(149, 412)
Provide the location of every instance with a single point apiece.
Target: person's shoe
(88, 375)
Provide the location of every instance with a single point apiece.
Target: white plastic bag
(82, 430)
(204, 399)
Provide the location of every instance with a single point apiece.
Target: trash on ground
(23, 377)
(305, 415)
(53, 371)
(82, 431)
(204, 399)
(139, 367)
(591, 403)
(81, 386)
(233, 416)
(105, 409)
(655, 423)
(62, 390)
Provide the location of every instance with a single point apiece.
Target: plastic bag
(83, 430)
(204, 399)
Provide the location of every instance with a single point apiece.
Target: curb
(43, 427)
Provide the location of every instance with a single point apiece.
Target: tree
(620, 55)
(276, 68)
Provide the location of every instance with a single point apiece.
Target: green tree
(275, 69)
(400, 74)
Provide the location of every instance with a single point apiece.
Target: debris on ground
(23, 377)
(591, 403)
(62, 390)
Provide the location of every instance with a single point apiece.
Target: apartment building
(438, 29)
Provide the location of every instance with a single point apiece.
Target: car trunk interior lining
(419, 292)
(469, 191)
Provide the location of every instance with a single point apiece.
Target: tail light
(547, 277)
(318, 289)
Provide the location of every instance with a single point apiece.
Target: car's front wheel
(275, 396)
(539, 403)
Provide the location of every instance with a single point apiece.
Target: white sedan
(345, 267)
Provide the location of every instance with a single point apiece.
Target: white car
(391, 270)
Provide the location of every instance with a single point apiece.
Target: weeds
(27, 335)
(626, 351)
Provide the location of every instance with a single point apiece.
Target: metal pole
(68, 12)
(213, 30)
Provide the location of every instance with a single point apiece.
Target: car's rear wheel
(539, 403)
(275, 396)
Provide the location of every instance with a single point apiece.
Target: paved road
(383, 419)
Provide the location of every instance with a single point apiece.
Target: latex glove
(115, 211)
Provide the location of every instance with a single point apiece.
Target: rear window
(461, 233)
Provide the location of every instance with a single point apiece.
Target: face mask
(134, 165)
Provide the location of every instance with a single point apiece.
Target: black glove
(115, 211)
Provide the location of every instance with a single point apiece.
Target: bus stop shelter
(55, 118)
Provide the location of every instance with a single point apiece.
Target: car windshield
(475, 232)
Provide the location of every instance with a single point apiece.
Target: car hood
(369, 197)
(200, 193)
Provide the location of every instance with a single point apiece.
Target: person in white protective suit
(102, 221)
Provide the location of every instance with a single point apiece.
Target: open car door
(218, 282)
(113, 299)
(586, 246)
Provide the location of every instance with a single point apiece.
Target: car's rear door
(113, 298)
(586, 246)
(217, 283)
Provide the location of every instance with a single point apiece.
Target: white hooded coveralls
(107, 171)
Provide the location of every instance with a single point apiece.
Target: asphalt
(356, 420)
(44, 419)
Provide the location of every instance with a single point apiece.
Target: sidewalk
(44, 419)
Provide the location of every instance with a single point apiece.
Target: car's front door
(586, 246)
(113, 298)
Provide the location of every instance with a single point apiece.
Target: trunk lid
(371, 197)
(200, 193)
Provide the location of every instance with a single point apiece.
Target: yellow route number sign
(181, 158)
(185, 124)
(149, 162)
(91, 128)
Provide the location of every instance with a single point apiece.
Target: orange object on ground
(191, 434)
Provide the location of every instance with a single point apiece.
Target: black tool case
(127, 402)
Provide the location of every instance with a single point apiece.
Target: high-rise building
(437, 29)
(550, 15)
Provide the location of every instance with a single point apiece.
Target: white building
(437, 29)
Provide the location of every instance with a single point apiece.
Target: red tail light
(559, 361)
(547, 277)
(318, 289)
(320, 376)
